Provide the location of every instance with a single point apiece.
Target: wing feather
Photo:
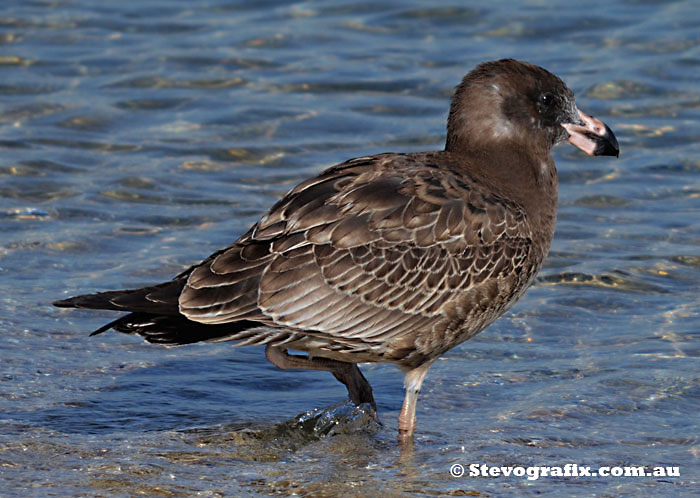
(368, 250)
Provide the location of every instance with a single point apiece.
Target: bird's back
(394, 257)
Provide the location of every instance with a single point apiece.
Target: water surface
(138, 138)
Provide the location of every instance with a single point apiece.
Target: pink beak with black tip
(592, 136)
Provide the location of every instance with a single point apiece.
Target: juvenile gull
(388, 258)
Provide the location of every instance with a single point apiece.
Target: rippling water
(138, 138)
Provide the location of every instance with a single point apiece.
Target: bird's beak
(592, 136)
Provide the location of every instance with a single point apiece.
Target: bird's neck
(524, 175)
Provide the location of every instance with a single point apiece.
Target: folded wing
(372, 250)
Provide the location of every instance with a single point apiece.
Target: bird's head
(509, 101)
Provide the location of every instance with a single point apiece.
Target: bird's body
(388, 258)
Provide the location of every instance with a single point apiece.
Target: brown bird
(388, 258)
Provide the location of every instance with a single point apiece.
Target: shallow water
(137, 139)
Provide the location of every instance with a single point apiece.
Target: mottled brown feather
(369, 250)
(393, 257)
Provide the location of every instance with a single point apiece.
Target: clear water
(138, 137)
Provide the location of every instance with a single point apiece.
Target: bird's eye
(546, 99)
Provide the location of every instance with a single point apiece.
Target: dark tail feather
(157, 299)
(113, 324)
(99, 301)
(174, 330)
(156, 317)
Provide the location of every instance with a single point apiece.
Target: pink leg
(413, 380)
(358, 388)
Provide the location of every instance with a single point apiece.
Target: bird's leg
(358, 388)
(412, 382)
